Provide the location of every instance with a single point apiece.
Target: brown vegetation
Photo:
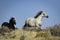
(51, 33)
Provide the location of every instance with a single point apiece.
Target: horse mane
(39, 13)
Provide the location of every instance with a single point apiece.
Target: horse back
(5, 24)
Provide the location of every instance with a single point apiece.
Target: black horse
(11, 23)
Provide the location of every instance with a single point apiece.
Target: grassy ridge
(52, 33)
(28, 35)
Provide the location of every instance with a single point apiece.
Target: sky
(22, 9)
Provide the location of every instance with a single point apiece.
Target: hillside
(51, 33)
(28, 35)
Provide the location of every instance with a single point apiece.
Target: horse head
(12, 21)
(44, 14)
(41, 14)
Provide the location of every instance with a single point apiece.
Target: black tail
(25, 25)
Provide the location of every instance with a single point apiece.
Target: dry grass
(28, 35)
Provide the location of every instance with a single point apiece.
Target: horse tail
(25, 25)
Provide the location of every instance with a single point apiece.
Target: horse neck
(39, 18)
(11, 23)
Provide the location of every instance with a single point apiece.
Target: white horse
(36, 21)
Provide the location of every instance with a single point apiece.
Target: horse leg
(38, 27)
